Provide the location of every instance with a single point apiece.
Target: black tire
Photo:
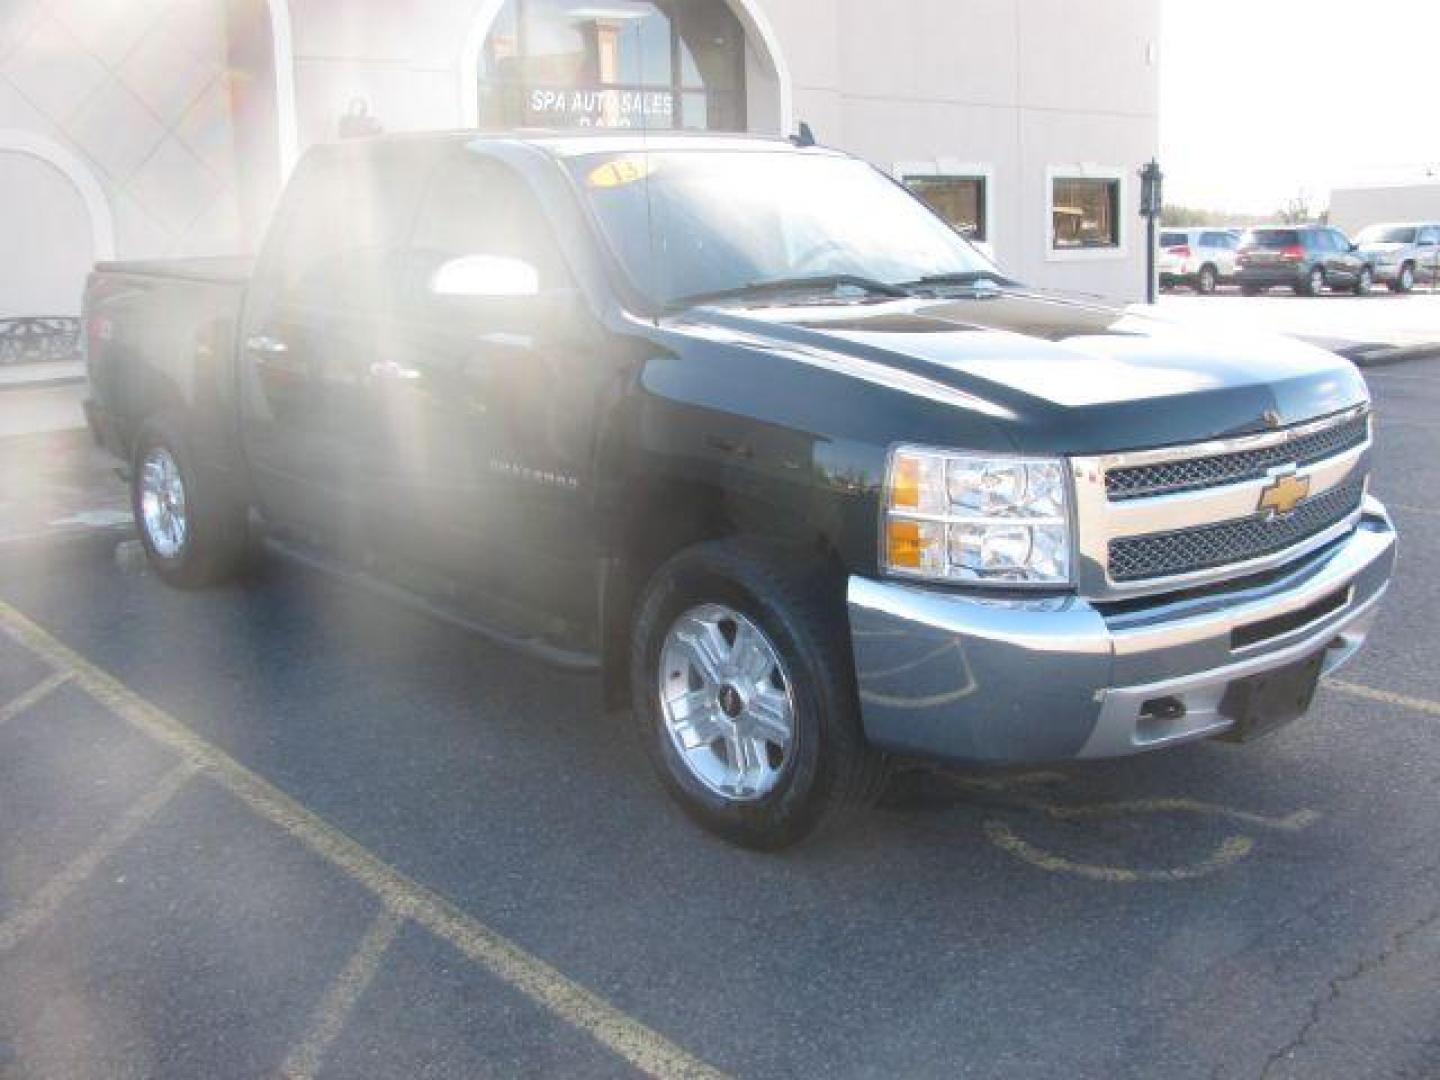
(1314, 283)
(1404, 279)
(831, 769)
(1364, 281)
(216, 543)
(1206, 280)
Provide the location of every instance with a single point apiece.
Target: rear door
(316, 332)
(1427, 254)
(1345, 264)
(1220, 247)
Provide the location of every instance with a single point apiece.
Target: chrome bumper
(968, 678)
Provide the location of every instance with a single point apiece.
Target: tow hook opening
(1164, 710)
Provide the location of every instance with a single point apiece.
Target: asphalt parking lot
(285, 828)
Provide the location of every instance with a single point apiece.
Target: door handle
(263, 345)
(390, 371)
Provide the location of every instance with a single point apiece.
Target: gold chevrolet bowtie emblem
(1284, 493)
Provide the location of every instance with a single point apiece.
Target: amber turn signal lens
(902, 542)
(905, 483)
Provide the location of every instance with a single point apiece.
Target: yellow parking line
(340, 999)
(33, 696)
(35, 912)
(1230, 851)
(642, 1047)
(1388, 697)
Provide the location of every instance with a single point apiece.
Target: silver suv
(1200, 258)
(1403, 254)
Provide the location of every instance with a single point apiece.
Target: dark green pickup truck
(742, 425)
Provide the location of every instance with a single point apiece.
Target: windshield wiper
(819, 282)
(961, 277)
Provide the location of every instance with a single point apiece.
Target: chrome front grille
(1136, 558)
(1193, 474)
(1152, 521)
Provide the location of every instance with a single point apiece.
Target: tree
(1296, 210)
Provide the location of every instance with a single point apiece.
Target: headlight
(964, 517)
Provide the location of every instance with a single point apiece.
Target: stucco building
(135, 128)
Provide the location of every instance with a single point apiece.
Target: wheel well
(665, 520)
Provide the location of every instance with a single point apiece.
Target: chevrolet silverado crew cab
(745, 427)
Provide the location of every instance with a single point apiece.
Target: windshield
(1387, 234)
(716, 221)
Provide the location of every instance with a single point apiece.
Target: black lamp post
(1152, 202)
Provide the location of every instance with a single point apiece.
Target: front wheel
(1314, 283)
(744, 695)
(1364, 281)
(1206, 282)
(194, 531)
(1404, 280)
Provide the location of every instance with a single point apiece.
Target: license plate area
(1261, 703)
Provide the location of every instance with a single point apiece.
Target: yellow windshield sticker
(619, 172)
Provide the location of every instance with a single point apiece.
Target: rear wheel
(1364, 281)
(744, 695)
(1404, 280)
(1206, 281)
(193, 530)
(1314, 283)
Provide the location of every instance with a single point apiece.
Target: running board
(555, 655)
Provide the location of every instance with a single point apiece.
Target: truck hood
(1055, 374)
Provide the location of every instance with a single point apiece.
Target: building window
(667, 64)
(1084, 213)
(963, 201)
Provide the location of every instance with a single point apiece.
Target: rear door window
(1173, 239)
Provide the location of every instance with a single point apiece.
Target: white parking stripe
(39, 909)
(36, 694)
(350, 984)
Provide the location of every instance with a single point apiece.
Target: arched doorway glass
(658, 64)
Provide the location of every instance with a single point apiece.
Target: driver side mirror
(485, 277)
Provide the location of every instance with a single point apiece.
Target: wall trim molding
(81, 176)
(282, 43)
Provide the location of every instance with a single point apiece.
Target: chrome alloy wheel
(727, 702)
(162, 502)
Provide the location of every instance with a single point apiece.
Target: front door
(489, 420)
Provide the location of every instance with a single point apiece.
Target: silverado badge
(1284, 492)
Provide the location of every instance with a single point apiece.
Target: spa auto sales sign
(601, 107)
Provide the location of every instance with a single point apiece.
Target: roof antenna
(806, 137)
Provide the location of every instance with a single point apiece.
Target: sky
(1260, 99)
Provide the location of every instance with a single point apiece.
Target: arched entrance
(55, 222)
(659, 64)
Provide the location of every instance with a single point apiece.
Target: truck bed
(160, 336)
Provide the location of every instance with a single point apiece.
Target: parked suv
(1403, 254)
(1307, 258)
(1200, 258)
